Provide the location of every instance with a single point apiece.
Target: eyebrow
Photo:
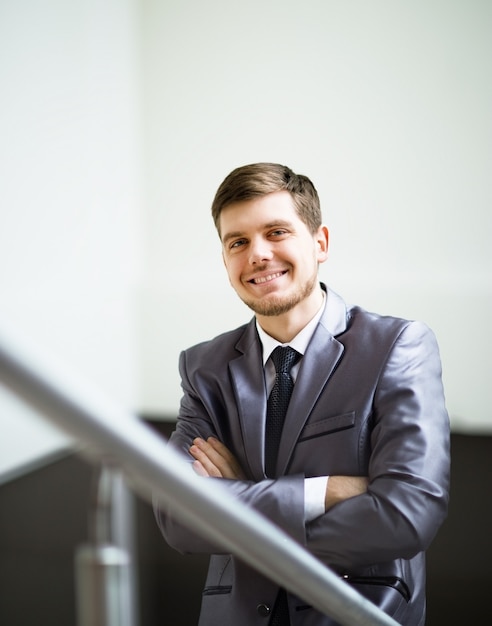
(232, 235)
(276, 224)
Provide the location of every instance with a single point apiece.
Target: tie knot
(284, 358)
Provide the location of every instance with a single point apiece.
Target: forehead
(256, 213)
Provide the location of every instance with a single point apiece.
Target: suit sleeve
(408, 469)
(276, 499)
(280, 500)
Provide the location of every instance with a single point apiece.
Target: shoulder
(378, 331)
(219, 349)
(360, 318)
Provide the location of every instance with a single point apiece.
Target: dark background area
(43, 518)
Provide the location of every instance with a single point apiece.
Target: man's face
(270, 255)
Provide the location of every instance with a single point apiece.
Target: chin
(272, 306)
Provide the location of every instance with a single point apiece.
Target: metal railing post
(102, 567)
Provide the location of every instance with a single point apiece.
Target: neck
(285, 327)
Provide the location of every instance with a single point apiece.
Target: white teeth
(265, 279)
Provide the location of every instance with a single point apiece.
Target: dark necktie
(284, 359)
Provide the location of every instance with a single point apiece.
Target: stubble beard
(279, 305)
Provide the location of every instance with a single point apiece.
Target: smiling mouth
(259, 280)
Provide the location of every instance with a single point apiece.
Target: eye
(279, 232)
(237, 243)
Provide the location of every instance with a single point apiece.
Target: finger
(208, 464)
(230, 467)
(219, 460)
(199, 469)
(216, 451)
(222, 450)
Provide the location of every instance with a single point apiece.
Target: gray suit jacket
(368, 400)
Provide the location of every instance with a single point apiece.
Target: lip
(266, 278)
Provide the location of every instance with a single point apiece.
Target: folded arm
(277, 499)
(214, 459)
(393, 513)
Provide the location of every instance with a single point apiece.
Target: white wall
(70, 229)
(385, 105)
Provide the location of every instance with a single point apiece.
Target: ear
(322, 238)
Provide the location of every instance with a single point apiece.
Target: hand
(213, 459)
(344, 487)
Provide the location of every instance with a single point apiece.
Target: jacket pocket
(389, 593)
(374, 585)
(217, 590)
(219, 577)
(327, 426)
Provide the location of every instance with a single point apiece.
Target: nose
(260, 251)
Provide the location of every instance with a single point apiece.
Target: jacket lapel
(317, 365)
(248, 383)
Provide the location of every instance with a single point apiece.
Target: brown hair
(260, 179)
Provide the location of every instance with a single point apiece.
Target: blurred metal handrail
(154, 470)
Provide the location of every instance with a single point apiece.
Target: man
(362, 467)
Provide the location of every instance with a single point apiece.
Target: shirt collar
(299, 342)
